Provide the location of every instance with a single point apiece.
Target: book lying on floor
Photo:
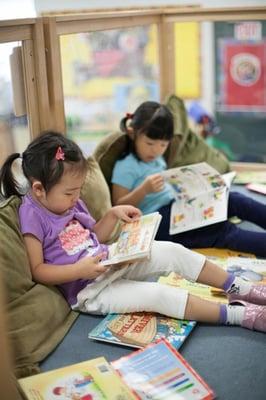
(140, 329)
(201, 196)
(135, 239)
(244, 177)
(160, 372)
(93, 379)
(257, 187)
(250, 269)
(197, 289)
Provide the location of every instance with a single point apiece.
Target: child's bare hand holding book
(135, 240)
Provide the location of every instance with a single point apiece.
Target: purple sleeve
(30, 222)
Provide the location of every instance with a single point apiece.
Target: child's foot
(254, 317)
(256, 295)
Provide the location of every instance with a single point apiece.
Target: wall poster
(243, 75)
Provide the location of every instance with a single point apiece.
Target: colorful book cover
(249, 268)
(197, 289)
(139, 329)
(201, 196)
(89, 380)
(135, 239)
(160, 372)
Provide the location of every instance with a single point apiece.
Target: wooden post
(166, 57)
(54, 75)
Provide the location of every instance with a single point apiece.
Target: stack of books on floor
(158, 371)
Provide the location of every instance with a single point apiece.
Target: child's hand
(153, 183)
(90, 267)
(126, 213)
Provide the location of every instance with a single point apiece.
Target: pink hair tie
(60, 155)
(129, 115)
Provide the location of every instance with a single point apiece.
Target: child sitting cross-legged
(66, 245)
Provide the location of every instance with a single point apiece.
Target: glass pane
(105, 75)
(14, 130)
(220, 72)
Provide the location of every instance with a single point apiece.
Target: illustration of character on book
(77, 387)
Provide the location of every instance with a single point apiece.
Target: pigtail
(8, 184)
(128, 141)
(123, 124)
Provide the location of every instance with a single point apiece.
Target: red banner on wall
(243, 66)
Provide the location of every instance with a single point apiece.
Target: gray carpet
(232, 360)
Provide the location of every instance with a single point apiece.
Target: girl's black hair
(39, 162)
(153, 119)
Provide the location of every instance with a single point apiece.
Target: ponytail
(8, 184)
(123, 122)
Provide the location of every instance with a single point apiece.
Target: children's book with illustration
(135, 239)
(140, 329)
(93, 379)
(201, 196)
(248, 268)
(160, 372)
(197, 289)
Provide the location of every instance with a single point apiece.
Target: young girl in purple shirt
(65, 246)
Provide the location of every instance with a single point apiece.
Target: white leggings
(130, 289)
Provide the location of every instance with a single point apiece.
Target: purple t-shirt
(65, 238)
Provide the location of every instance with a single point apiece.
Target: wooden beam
(215, 14)
(54, 75)
(30, 88)
(166, 57)
(41, 76)
(15, 33)
(102, 24)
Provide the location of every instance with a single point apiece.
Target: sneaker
(254, 317)
(256, 295)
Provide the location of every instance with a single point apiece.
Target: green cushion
(38, 316)
(95, 192)
(108, 151)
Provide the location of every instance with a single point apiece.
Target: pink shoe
(254, 317)
(257, 295)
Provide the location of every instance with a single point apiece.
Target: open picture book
(160, 372)
(92, 379)
(135, 239)
(201, 196)
(140, 329)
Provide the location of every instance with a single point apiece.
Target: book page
(205, 209)
(201, 196)
(197, 289)
(160, 372)
(134, 240)
(250, 269)
(192, 180)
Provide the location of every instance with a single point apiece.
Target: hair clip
(60, 155)
(129, 115)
